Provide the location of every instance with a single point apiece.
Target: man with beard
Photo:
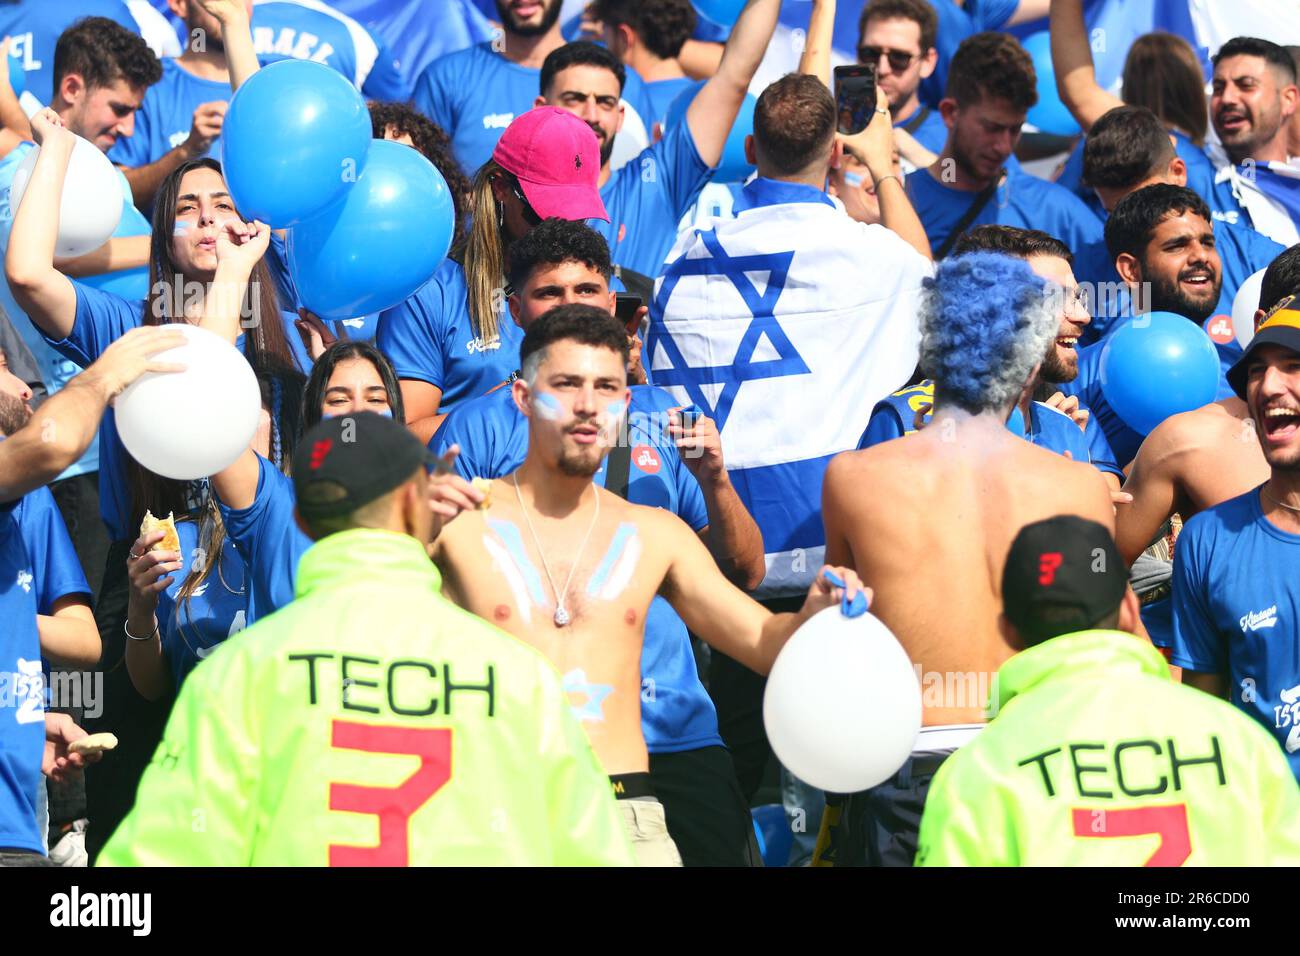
(1163, 245)
(1254, 97)
(1053, 421)
(647, 197)
(1236, 594)
(572, 568)
(976, 179)
(474, 94)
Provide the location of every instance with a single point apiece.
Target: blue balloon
(1158, 365)
(17, 75)
(1050, 114)
(721, 12)
(733, 167)
(378, 244)
(294, 139)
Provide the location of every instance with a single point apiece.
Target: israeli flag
(786, 324)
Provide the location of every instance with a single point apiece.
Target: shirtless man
(571, 568)
(942, 507)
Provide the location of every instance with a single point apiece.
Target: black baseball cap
(347, 462)
(1062, 575)
(1280, 327)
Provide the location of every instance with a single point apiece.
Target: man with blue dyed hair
(950, 500)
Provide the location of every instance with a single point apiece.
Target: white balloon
(843, 704)
(92, 198)
(195, 423)
(1244, 304)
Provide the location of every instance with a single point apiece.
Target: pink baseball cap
(556, 158)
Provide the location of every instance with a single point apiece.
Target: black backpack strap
(619, 464)
(976, 207)
(636, 283)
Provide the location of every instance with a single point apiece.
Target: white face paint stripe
(623, 571)
(511, 573)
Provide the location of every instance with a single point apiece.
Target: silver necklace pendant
(561, 616)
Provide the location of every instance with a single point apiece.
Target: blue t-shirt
(660, 95)
(1124, 441)
(22, 690)
(166, 115)
(895, 416)
(1236, 610)
(676, 712)
(100, 320)
(268, 539)
(932, 133)
(1024, 201)
(35, 25)
(312, 30)
(648, 197)
(54, 562)
(430, 338)
(217, 609)
(55, 369)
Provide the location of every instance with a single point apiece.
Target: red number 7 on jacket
(393, 805)
(1170, 822)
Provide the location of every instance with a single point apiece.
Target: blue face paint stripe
(616, 547)
(514, 543)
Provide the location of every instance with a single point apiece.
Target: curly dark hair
(433, 144)
(663, 25)
(1131, 225)
(584, 324)
(995, 65)
(554, 241)
(102, 51)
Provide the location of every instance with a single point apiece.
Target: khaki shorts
(643, 821)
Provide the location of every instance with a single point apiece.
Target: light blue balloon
(17, 75)
(294, 139)
(1050, 114)
(1158, 365)
(733, 167)
(380, 242)
(721, 12)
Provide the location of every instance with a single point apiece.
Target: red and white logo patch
(1221, 329)
(646, 459)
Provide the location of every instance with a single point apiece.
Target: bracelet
(132, 637)
(890, 176)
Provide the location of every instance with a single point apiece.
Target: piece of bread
(171, 540)
(484, 485)
(93, 744)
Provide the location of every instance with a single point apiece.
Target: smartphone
(855, 96)
(626, 306)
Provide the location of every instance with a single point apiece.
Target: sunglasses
(530, 215)
(899, 60)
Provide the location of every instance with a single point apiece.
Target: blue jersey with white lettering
(1237, 609)
(312, 30)
(1123, 440)
(430, 338)
(191, 628)
(648, 197)
(166, 115)
(493, 437)
(101, 319)
(55, 566)
(34, 27)
(22, 690)
(1022, 200)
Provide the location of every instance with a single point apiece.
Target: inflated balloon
(733, 167)
(293, 141)
(1158, 365)
(17, 75)
(92, 198)
(195, 423)
(721, 12)
(1049, 114)
(842, 705)
(1244, 304)
(380, 242)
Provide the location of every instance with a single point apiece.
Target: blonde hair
(483, 254)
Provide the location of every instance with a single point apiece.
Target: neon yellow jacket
(1097, 758)
(372, 722)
